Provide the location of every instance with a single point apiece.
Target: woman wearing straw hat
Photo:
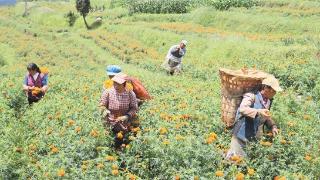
(119, 107)
(252, 115)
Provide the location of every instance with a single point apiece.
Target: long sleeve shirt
(119, 104)
(175, 53)
(246, 109)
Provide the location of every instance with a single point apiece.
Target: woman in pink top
(119, 107)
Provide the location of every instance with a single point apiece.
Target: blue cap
(113, 70)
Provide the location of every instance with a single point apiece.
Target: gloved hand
(123, 118)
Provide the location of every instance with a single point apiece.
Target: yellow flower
(108, 84)
(166, 142)
(219, 173)
(163, 130)
(119, 135)
(44, 70)
(265, 143)
(61, 172)
(129, 86)
(114, 166)
(84, 167)
(110, 158)
(179, 137)
(196, 178)
(94, 133)
(251, 171)
(239, 176)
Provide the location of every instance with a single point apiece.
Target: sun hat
(119, 78)
(272, 82)
(185, 42)
(113, 70)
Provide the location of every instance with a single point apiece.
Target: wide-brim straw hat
(273, 83)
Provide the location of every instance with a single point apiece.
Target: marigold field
(179, 133)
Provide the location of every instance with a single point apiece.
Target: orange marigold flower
(219, 173)
(236, 158)
(61, 173)
(196, 178)
(54, 150)
(307, 157)
(115, 172)
(78, 129)
(132, 177)
(212, 137)
(71, 122)
(100, 166)
(94, 133)
(177, 177)
(110, 158)
(119, 135)
(163, 130)
(251, 171)
(239, 176)
(279, 178)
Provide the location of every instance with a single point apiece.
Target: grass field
(62, 136)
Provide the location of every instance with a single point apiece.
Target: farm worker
(173, 62)
(252, 115)
(119, 107)
(35, 83)
(132, 83)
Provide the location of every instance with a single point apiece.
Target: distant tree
(83, 7)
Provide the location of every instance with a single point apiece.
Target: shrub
(71, 18)
(158, 6)
(226, 4)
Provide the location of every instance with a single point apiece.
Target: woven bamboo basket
(234, 83)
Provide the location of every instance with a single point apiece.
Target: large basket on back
(234, 83)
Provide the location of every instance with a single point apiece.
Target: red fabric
(140, 91)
